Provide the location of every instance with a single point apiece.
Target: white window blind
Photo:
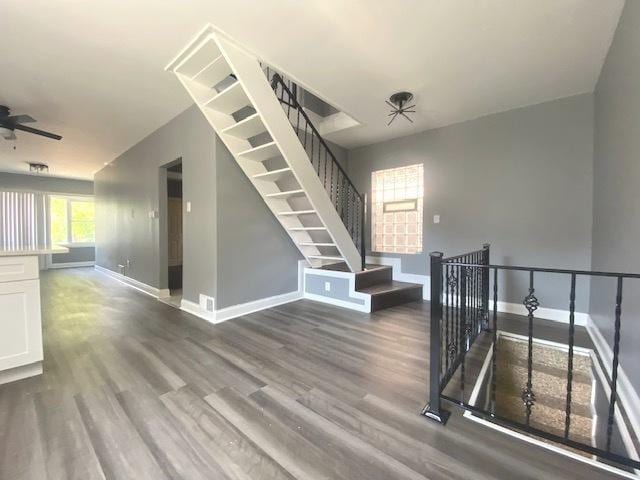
(19, 219)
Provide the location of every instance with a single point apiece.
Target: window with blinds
(19, 219)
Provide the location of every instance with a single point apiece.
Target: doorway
(174, 232)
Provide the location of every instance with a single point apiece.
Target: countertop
(30, 250)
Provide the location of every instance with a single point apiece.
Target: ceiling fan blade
(395, 107)
(10, 137)
(19, 119)
(392, 119)
(37, 132)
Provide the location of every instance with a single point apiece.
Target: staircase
(255, 112)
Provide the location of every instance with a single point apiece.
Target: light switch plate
(436, 219)
(327, 286)
(188, 207)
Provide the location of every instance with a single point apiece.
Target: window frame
(69, 199)
(419, 203)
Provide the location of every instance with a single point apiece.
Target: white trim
(556, 315)
(234, 311)
(51, 265)
(400, 276)
(353, 294)
(18, 373)
(195, 309)
(131, 282)
(546, 445)
(366, 308)
(627, 393)
(227, 313)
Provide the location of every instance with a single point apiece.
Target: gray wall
(75, 255)
(130, 188)
(233, 247)
(45, 184)
(256, 258)
(616, 213)
(520, 180)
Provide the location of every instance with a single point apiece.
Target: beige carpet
(549, 381)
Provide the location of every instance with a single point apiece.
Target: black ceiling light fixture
(38, 168)
(398, 103)
(10, 123)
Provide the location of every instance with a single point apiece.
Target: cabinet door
(20, 324)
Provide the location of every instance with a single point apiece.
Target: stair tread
(297, 212)
(387, 287)
(285, 194)
(261, 153)
(325, 257)
(213, 73)
(307, 229)
(274, 173)
(317, 244)
(229, 100)
(246, 128)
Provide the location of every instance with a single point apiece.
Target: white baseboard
(131, 282)
(227, 313)
(195, 309)
(556, 315)
(350, 277)
(18, 373)
(627, 393)
(70, 265)
(366, 308)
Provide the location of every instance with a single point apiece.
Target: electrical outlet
(327, 286)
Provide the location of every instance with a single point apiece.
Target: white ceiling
(93, 71)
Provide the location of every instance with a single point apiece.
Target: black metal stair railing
(348, 202)
(461, 314)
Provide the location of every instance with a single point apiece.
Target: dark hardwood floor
(135, 389)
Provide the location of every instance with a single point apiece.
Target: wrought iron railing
(348, 202)
(460, 314)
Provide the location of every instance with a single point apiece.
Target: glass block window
(397, 196)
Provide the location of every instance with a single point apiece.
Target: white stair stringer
(213, 57)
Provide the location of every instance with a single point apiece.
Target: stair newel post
(363, 223)
(486, 250)
(434, 410)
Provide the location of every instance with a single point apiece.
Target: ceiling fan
(10, 123)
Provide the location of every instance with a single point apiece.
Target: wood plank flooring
(135, 389)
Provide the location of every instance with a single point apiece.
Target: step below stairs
(375, 284)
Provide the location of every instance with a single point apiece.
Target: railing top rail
(452, 259)
(549, 270)
(278, 78)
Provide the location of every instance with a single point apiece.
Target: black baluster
(324, 183)
(463, 327)
(531, 304)
(614, 369)
(446, 315)
(494, 353)
(572, 309)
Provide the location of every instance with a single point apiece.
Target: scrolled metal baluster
(494, 353)
(572, 309)
(531, 304)
(614, 367)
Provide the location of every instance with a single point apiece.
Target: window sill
(76, 245)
